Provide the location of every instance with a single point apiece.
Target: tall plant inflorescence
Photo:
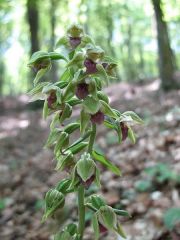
(86, 70)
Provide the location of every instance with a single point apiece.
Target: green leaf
(45, 110)
(121, 212)
(143, 185)
(102, 73)
(120, 231)
(63, 185)
(71, 228)
(91, 105)
(109, 60)
(78, 147)
(107, 110)
(134, 116)
(53, 200)
(66, 113)
(81, 139)
(74, 101)
(70, 128)
(56, 56)
(102, 96)
(63, 236)
(39, 55)
(102, 159)
(95, 225)
(62, 142)
(66, 75)
(107, 217)
(131, 135)
(40, 73)
(172, 217)
(65, 161)
(84, 121)
(52, 137)
(62, 42)
(77, 60)
(54, 120)
(96, 201)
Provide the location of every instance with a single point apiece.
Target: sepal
(53, 200)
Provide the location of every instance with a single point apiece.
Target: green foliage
(80, 85)
(161, 173)
(172, 217)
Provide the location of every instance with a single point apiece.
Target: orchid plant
(86, 70)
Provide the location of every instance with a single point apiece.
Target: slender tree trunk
(110, 28)
(2, 68)
(53, 7)
(33, 20)
(166, 59)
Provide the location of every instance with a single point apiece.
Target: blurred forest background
(144, 36)
(126, 29)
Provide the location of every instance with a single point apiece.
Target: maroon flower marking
(124, 130)
(82, 90)
(74, 41)
(90, 66)
(97, 118)
(51, 99)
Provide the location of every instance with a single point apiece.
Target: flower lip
(82, 90)
(88, 182)
(103, 230)
(97, 118)
(51, 99)
(124, 130)
(74, 41)
(90, 66)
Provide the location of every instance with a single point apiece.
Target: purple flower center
(88, 182)
(102, 229)
(51, 99)
(124, 130)
(74, 41)
(90, 66)
(82, 90)
(97, 118)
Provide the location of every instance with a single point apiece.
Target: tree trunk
(166, 60)
(53, 7)
(33, 20)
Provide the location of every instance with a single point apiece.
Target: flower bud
(97, 118)
(90, 66)
(124, 130)
(82, 90)
(51, 99)
(74, 41)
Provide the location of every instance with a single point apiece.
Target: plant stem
(81, 208)
(92, 138)
(81, 205)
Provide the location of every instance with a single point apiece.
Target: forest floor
(149, 186)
